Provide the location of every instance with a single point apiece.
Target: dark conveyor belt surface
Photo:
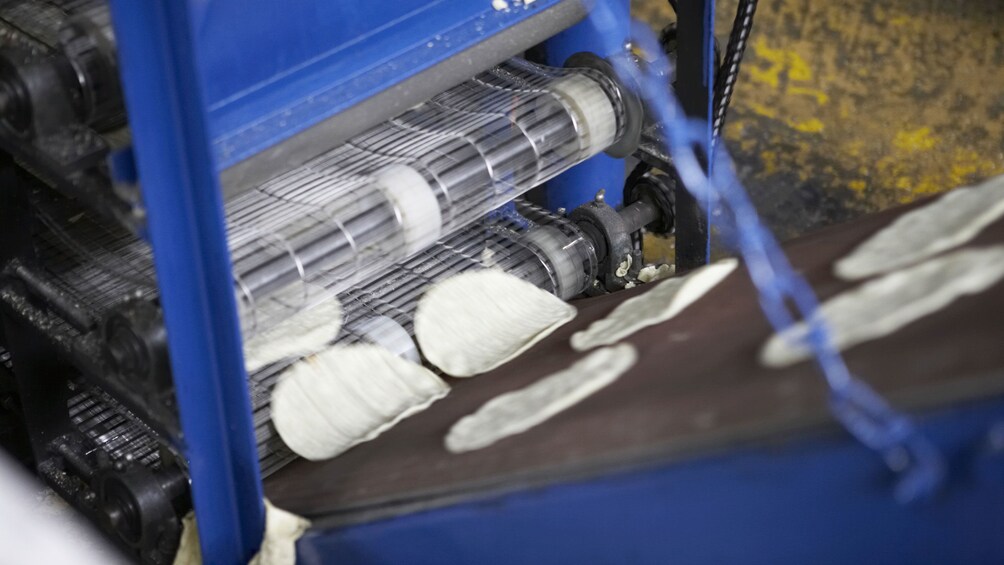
(697, 388)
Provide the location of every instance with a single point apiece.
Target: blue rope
(861, 411)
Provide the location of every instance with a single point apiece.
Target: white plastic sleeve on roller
(390, 335)
(569, 277)
(592, 108)
(416, 203)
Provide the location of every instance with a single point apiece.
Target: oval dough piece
(665, 300)
(517, 411)
(327, 403)
(948, 222)
(478, 320)
(881, 306)
(306, 332)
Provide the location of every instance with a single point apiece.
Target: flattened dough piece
(282, 529)
(948, 222)
(478, 320)
(517, 411)
(665, 300)
(278, 545)
(345, 395)
(881, 306)
(304, 333)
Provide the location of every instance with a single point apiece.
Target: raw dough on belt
(665, 300)
(282, 529)
(345, 395)
(475, 321)
(278, 544)
(948, 222)
(304, 333)
(881, 306)
(517, 411)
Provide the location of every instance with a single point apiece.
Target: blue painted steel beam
(821, 499)
(313, 59)
(695, 83)
(580, 184)
(183, 200)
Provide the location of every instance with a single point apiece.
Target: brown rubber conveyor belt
(696, 388)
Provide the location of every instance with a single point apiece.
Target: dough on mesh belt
(304, 333)
(348, 394)
(475, 321)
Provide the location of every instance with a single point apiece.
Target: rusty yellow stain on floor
(919, 139)
(847, 107)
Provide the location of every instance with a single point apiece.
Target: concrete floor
(846, 107)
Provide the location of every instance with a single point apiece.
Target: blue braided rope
(863, 413)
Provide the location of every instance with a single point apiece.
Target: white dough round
(662, 302)
(517, 411)
(948, 222)
(304, 333)
(882, 306)
(327, 403)
(473, 322)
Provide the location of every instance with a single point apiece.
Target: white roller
(569, 277)
(416, 203)
(592, 108)
(390, 335)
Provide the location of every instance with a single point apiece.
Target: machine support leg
(695, 80)
(183, 199)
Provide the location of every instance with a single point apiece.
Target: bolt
(601, 195)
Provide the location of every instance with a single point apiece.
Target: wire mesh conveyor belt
(389, 193)
(113, 428)
(376, 220)
(100, 265)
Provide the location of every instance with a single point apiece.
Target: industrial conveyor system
(180, 179)
(336, 163)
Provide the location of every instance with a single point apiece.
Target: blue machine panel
(818, 500)
(273, 69)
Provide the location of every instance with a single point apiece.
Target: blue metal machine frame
(192, 114)
(183, 199)
(821, 499)
(727, 508)
(311, 63)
